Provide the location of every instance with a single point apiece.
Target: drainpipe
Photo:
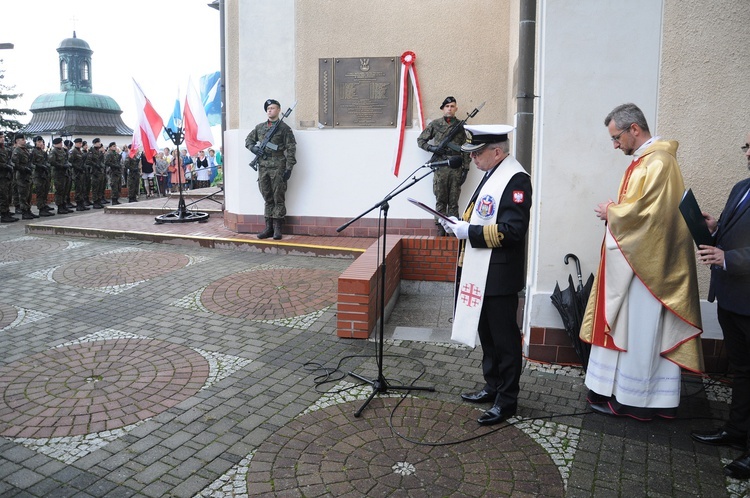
(525, 96)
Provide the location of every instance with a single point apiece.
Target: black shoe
(739, 468)
(497, 414)
(29, 215)
(720, 437)
(63, 210)
(88, 203)
(481, 397)
(45, 208)
(97, 206)
(81, 207)
(104, 201)
(46, 213)
(133, 199)
(601, 408)
(115, 202)
(19, 210)
(70, 205)
(7, 218)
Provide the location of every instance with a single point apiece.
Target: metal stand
(381, 384)
(181, 215)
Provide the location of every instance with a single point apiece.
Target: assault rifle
(439, 150)
(266, 143)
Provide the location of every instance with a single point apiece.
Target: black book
(695, 221)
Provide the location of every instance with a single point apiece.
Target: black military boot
(81, 207)
(63, 210)
(7, 218)
(28, 215)
(277, 223)
(268, 231)
(115, 202)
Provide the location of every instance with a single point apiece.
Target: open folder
(695, 221)
(430, 210)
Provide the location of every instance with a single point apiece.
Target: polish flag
(149, 126)
(198, 134)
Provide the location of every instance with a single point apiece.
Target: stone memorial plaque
(359, 92)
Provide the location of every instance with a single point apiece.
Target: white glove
(459, 228)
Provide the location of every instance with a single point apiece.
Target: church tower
(75, 65)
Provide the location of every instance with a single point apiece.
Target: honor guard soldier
(95, 163)
(275, 165)
(68, 146)
(114, 167)
(58, 159)
(6, 182)
(132, 162)
(79, 174)
(21, 159)
(42, 177)
(446, 182)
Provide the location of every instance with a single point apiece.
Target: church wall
(461, 48)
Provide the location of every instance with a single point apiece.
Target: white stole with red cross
(476, 261)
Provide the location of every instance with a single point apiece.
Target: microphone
(453, 162)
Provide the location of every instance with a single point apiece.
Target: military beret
(38, 139)
(68, 143)
(270, 102)
(56, 141)
(96, 141)
(19, 136)
(85, 142)
(448, 100)
(111, 144)
(478, 136)
(78, 140)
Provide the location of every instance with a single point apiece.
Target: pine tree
(7, 113)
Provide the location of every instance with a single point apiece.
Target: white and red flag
(148, 128)
(198, 134)
(408, 72)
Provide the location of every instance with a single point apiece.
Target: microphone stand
(381, 384)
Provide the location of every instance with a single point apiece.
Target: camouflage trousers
(61, 185)
(23, 187)
(273, 189)
(42, 184)
(86, 182)
(446, 185)
(79, 177)
(6, 190)
(134, 183)
(98, 183)
(115, 183)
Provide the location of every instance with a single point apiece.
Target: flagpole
(181, 215)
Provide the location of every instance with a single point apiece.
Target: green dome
(74, 43)
(74, 99)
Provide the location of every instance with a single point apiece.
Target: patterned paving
(329, 452)
(94, 386)
(271, 293)
(26, 247)
(118, 268)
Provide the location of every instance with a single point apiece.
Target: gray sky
(160, 43)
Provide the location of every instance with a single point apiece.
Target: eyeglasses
(745, 147)
(616, 138)
(479, 152)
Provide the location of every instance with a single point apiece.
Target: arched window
(86, 71)
(64, 70)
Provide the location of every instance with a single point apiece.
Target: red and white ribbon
(407, 69)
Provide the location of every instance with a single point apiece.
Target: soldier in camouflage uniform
(86, 193)
(112, 163)
(42, 177)
(68, 145)
(79, 173)
(274, 167)
(58, 159)
(6, 182)
(133, 164)
(446, 182)
(21, 160)
(95, 162)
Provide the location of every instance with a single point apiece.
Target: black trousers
(736, 329)
(501, 347)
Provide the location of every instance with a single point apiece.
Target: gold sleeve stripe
(467, 213)
(492, 236)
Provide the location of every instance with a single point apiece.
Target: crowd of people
(72, 168)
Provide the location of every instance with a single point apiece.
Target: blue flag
(176, 114)
(210, 88)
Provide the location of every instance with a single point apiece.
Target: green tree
(7, 113)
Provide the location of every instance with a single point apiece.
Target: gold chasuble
(651, 243)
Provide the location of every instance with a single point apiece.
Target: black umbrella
(571, 304)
